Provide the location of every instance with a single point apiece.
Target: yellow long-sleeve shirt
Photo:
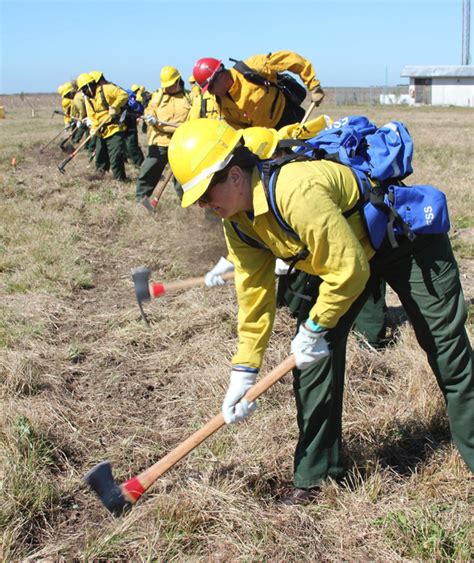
(78, 108)
(247, 104)
(205, 105)
(195, 91)
(311, 197)
(66, 104)
(174, 109)
(97, 110)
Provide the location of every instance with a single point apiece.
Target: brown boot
(299, 497)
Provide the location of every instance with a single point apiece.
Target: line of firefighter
(217, 92)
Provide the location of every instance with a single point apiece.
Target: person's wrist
(313, 327)
(244, 369)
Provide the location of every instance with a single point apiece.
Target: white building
(441, 85)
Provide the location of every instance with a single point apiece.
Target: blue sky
(350, 43)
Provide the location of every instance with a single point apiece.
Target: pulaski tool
(120, 498)
(145, 289)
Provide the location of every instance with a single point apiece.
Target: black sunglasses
(218, 177)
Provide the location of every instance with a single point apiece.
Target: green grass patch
(27, 489)
(463, 222)
(15, 329)
(428, 533)
(463, 249)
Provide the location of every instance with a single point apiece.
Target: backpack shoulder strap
(203, 108)
(245, 238)
(270, 170)
(103, 98)
(252, 75)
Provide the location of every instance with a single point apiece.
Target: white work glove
(309, 346)
(113, 111)
(151, 119)
(87, 121)
(281, 268)
(213, 277)
(234, 409)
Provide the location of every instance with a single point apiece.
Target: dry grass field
(82, 380)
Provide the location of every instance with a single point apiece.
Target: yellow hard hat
(307, 130)
(84, 79)
(96, 75)
(60, 89)
(67, 87)
(191, 79)
(198, 149)
(261, 141)
(135, 87)
(168, 76)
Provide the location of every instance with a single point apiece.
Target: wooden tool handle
(308, 113)
(83, 143)
(166, 181)
(193, 282)
(150, 475)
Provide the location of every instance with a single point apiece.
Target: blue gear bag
(389, 208)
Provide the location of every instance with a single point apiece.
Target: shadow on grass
(406, 446)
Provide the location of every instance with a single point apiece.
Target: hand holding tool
(120, 498)
(152, 120)
(317, 95)
(235, 408)
(62, 165)
(214, 278)
(309, 346)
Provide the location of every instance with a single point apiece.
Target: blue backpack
(390, 208)
(134, 106)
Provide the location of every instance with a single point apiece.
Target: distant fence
(33, 101)
(339, 96)
(369, 96)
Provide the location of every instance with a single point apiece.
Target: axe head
(61, 169)
(66, 147)
(141, 279)
(102, 482)
(147, 203)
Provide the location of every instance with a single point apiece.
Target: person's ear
(236, 175)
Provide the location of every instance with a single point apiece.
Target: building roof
(438, 71)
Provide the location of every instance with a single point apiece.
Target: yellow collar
(259, 199)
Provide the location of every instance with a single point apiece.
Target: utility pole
(466, 33)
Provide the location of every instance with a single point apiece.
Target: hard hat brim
(192, 195)
(209, 80)
(195, 193)
(169, 83)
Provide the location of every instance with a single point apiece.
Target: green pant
(151, 170)
(134, 152)
(370, 322)
(110, 154)
(79, 132)
(425, 276)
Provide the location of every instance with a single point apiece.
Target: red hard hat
(204, 70)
